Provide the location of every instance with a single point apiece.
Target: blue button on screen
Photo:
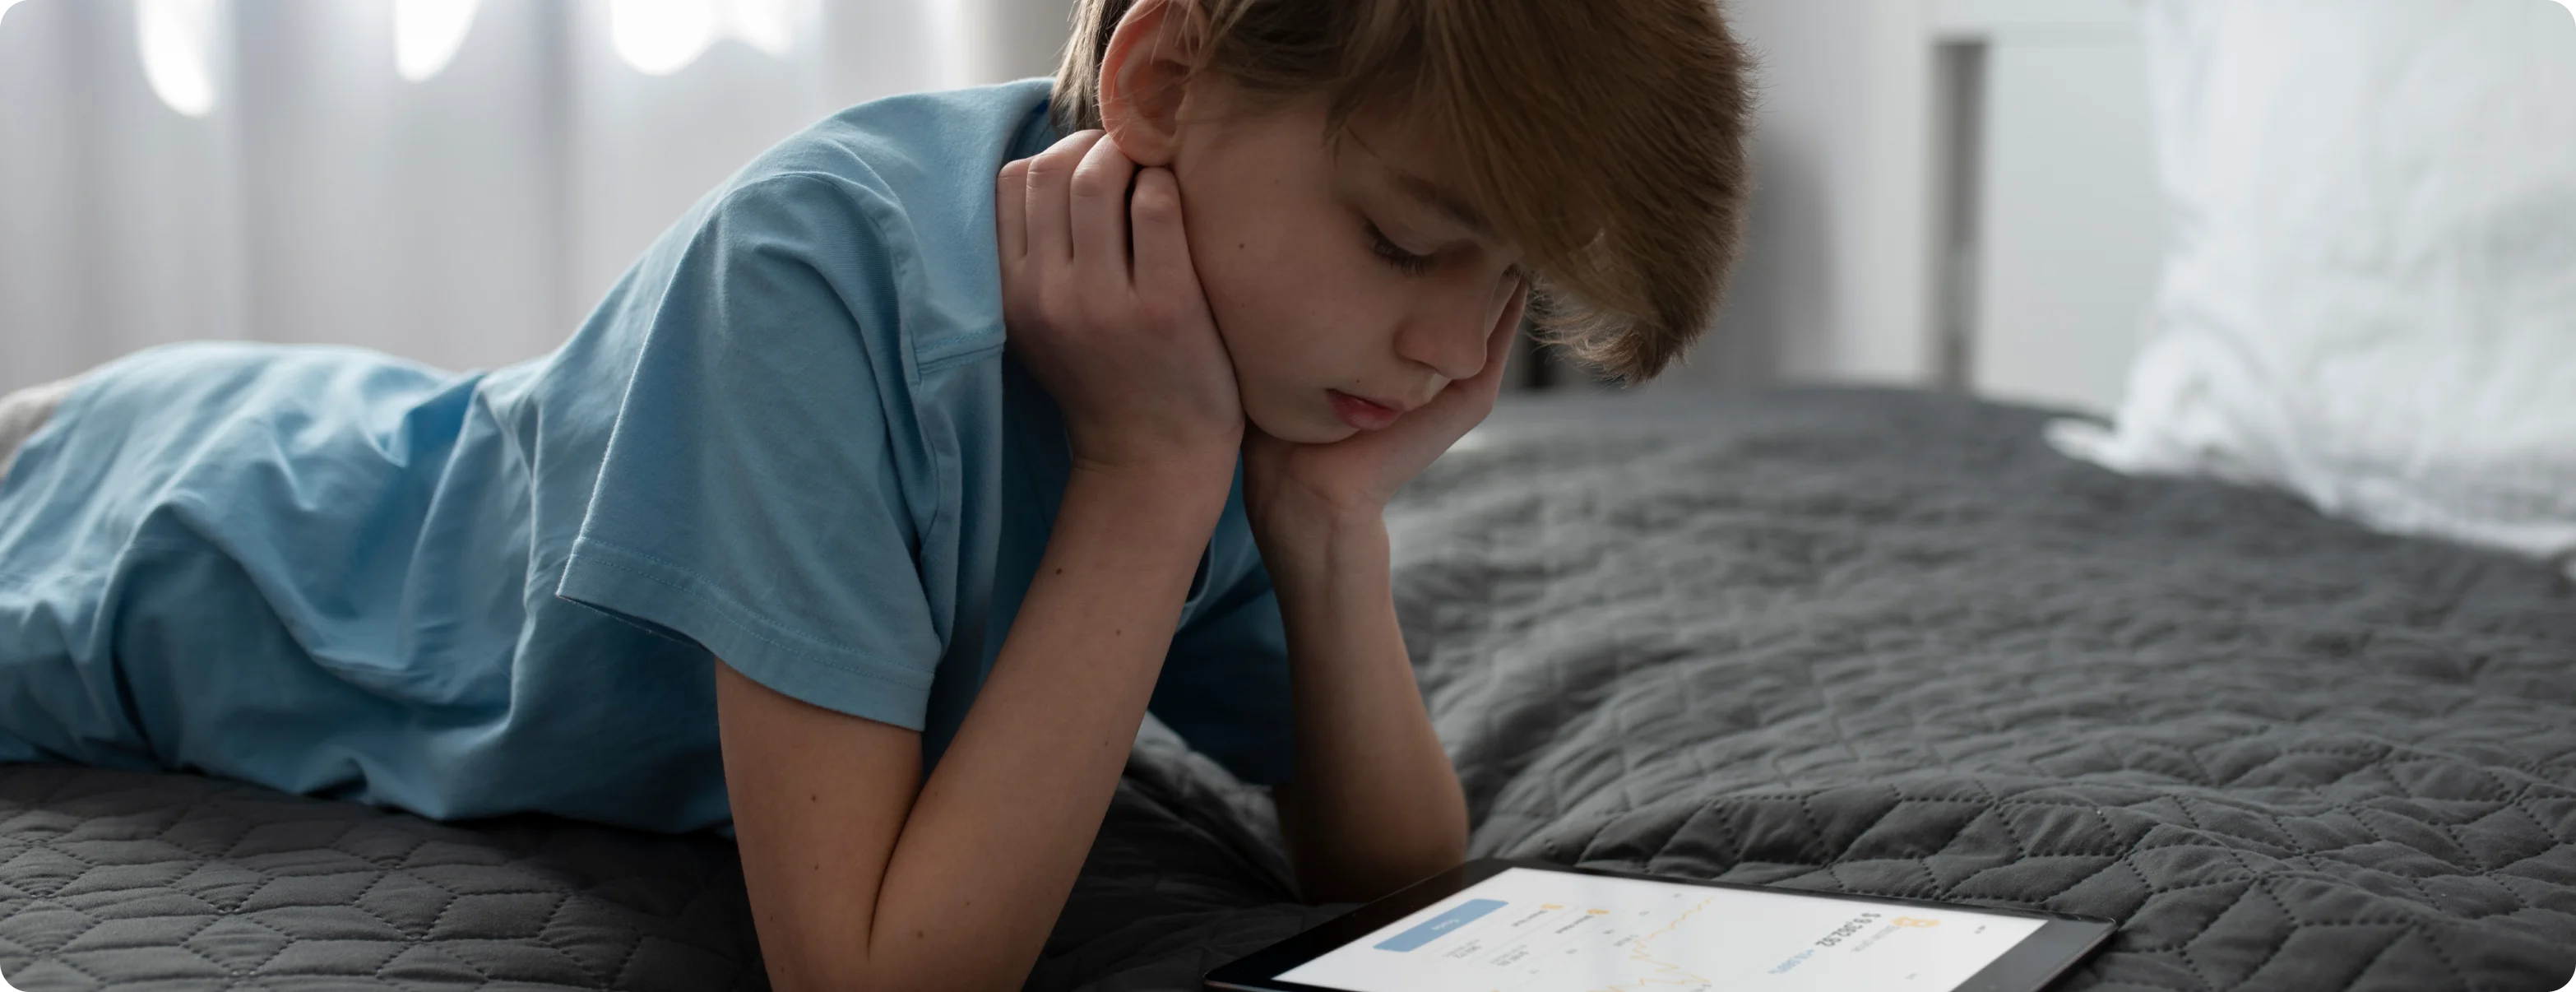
(1430, 930)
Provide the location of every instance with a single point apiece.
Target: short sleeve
(1224, 686)
(750, 497)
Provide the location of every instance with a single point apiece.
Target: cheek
(1273, 298)
(1289, 288)
(1286, 341)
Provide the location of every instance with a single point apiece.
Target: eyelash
(1403, 261)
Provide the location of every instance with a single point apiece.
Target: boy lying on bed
(787, 538)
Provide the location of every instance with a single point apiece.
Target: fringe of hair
(1608, 139)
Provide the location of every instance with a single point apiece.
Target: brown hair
(1607, 138)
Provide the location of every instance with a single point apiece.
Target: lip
(1364, 414)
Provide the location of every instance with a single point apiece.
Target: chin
(1312, 423)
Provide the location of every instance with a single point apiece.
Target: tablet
(1521, 926)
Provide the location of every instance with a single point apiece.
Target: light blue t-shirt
(789, 438)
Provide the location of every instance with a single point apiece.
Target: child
(793, 537)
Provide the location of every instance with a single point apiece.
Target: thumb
(1162, 243)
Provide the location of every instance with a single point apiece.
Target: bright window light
(177, 40)
(427, 34)
(660, 37)
(952, 53)
(768, 25)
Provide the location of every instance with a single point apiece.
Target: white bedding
(2370, 298)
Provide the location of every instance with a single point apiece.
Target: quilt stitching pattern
(1889, 643)
(2288, 753)
(119, 879)
(1851, 641)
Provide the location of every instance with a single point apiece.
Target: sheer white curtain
(452, 180)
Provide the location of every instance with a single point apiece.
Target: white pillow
(2370, 295)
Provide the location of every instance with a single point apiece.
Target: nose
(1451, 340)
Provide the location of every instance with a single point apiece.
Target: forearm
(1375, 803)
(998, 834)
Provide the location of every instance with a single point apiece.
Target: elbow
(854, 969)
(1348, 859)
(1368, 876)
(808, 971)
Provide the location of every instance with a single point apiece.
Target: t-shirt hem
(636, 587)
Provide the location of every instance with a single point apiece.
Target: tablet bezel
(2037, 960)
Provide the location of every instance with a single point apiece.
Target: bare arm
(1374, 804)
(857, 880)
(858, 884)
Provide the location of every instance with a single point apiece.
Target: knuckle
(1056, 300)
(1062, 156)
(1156, 185)
(1099, 310)
(1152, 309)
(1071, 145)
(1091, 182)
(1157, 205)
(1052, 164)
(1166, 308)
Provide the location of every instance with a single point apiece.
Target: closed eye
(1388, 251)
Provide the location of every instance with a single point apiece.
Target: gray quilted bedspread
(1849, 641)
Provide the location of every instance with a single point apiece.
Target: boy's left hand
(1290, 488)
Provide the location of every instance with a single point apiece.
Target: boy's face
(1349, 284)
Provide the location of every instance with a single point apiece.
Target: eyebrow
(1431, 195)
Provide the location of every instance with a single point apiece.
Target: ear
(1144, 77)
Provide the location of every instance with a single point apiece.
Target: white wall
(2070, 226)
(1849, 274)
(1834, 284)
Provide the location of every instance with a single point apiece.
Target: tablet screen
(1544, 931)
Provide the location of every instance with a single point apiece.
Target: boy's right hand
(1123, 341)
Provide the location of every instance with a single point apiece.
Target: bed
(1859, 641)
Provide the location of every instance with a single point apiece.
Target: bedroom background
(1954, 193)
(1893, 642)
(1965, 195)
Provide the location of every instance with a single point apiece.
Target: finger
(1050, 178)
(1099, 210)
(1011, 211)
(1498, 342)
(1465, 402)
(1163, 267)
